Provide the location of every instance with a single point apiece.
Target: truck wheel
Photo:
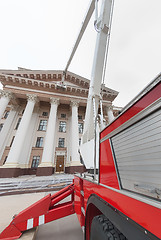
(103, 229)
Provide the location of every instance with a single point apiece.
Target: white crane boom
(81, 32)
(102, 25)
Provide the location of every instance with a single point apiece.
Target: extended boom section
(45, 210)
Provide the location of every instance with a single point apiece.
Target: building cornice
(39, 83)
(6, 79)
(52, 75)
(49, 75)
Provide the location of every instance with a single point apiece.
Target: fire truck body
(122, 201)
(128, 186)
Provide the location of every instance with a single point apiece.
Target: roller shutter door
(137, 152)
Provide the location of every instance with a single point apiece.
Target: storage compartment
(137, 152)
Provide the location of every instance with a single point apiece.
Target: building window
(61, 142)
(6, 114)
(18, 123)
(5, 160)
(79, 141)
(79, 117)
(63, 115)
(80, 127)
(35, 161)
(12, 141)
(39, 142)
(62, 126)
(45, 114)
(43, 125)
(1, 126)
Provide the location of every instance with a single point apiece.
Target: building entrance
(60, 164)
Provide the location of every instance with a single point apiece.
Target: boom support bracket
(43, 211)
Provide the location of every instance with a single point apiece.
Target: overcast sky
(39, 34)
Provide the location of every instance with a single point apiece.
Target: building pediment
(51, 81)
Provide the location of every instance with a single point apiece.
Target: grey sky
(39, 34)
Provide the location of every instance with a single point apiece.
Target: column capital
(54, 101)
(32, 97)
(7, 94)
(74, 103)
(14, 107)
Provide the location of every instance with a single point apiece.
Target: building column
(46, 166)
(5, 98)
(11, 167)
(7, 128)
(75, 165)
(24, 159)
(110, 114)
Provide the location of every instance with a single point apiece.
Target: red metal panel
(21, 225)
(60, 212)
(36, 222)
(37, 209)
(11, 232)
(77, 198)
(108, 175)
(62, 196)
(142, 213)
(148, 99)
(60, 192)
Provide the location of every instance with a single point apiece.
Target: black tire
(103, 229)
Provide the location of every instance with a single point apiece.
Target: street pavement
(67, 228)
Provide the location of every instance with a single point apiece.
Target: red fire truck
(121, 199)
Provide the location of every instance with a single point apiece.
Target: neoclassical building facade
(41, 121)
